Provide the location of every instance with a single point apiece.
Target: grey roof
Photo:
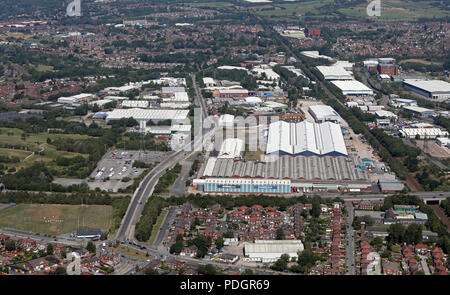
(311, 168)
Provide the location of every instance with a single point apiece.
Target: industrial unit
(231, 148)
(271, 250)
(324, 113)
(284, 175)
(334, 73)
(423, 133)
(423, 112)
(306, 138)
(435, 89)
(353, 87)
(145, 115)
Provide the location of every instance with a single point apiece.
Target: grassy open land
(391, 10)
(292, 10)
(400, 10)
(16, 35)
(34, 143)
(132, 252)
(55, 219)
(209, 4)
(156, 227)
(420, 61)
(42, 68)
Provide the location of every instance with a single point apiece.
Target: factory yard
(55, 219)
(433, 149)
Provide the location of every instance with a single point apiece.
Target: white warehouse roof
(231, 148)
(148, 114)
(135, 104)
(324, 113)
(353, 87)
(306, 138)
(276, 247)
(334, 73)
(430, 85)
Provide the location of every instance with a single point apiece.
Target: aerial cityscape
(213, 137)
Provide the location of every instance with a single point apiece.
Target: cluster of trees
(445, 204)
(202, 242)
(306, 259)
(229, 202)
(119, 208)
(151, 211)
(91, 198)
(9, 159)
(394, 145)
(411, 234)
(167, 179)
(366, 218)
(433, 223)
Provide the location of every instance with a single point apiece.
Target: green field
(34, 143)
(55, 219)
(400, 10)
(391, 10)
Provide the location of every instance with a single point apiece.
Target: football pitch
(56, 219)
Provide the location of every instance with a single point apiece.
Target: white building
(424, 112)
(334, 73)
(306, 138)
(226, 120)
(83, 97)
(443, 141)
(135, 104)
(145, 115)
(401, 102)
(423, 133)
(209, 82)
(315, 55)
(435, 89)
(231, 148)
(386, 114)
(324, 113)
(271, 250)
(353, 87)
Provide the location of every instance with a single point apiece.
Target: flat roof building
(423, 133)
(231, 148)
(149, 114)
(424, 112)
(306, 138)
(334, 73)
(271, 250)
(434, 89)
(353, 87)
(324, 113)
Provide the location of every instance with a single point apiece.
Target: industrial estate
(237, 138)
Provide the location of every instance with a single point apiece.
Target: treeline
(229, 202)
(167, 180)
(150, 214)
(119, 208)
(434, 223)
(90, 198)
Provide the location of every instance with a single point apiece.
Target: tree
(281, 263)
(219, 242)
(151, 272)
(413, 234)
(49, 249)
(208, 269)
(91, 247)
(280, 234)
(60, 270)
(396, 233)
(247, 272)
(315, 211)
(10, 245)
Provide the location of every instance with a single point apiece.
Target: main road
(147, 185)
(350, 238)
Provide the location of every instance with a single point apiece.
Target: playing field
(55, 219)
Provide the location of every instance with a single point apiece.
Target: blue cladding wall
(247, 188)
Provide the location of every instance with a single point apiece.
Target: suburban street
(350, 239)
